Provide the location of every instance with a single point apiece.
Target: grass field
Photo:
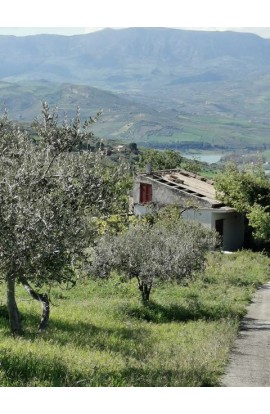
(226, 133)
(100, 334)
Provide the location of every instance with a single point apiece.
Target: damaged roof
(189, 183)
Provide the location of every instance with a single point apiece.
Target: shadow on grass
(125, 340)
(157, 313)
(164, 377)
(152, 377)
(128, 341)
(22, 370)
(46, 368)
(25, 370)
(30, 370)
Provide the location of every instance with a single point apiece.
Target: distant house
(120, 148)
(195, 196)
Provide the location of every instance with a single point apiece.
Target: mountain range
(156, 86)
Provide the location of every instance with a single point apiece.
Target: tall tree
(248, 191)
(49, 190)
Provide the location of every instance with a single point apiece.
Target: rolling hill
(156, 86)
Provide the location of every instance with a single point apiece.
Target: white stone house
(196, 198)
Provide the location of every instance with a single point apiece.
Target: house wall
(233, 225)
(202, 216)
(163, 195)
(234, 229)
(141, 210)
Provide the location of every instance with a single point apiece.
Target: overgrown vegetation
(62, 203)
(248, 191)
(166, 250)
(50, 190)
(100, 334)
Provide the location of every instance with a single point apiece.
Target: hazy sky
(26, 17)
(25, 31)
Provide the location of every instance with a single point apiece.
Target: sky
(30, 17)
(69, 31)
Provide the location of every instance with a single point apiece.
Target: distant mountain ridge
(156, 86)
(112, 58)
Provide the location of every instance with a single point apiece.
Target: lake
(209, 158)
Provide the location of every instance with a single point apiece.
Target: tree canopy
(49, 191)
(155, 252)
(248, 191)
(160, 160)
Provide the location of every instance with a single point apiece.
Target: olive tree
(49, 190)
(152, 253)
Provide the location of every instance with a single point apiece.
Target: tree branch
(45, 304)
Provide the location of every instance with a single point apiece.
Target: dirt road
(249, 364)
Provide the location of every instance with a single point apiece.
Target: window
(145, 193)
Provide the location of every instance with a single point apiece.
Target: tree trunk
(45, 304)
(145, 289)
(13, 312)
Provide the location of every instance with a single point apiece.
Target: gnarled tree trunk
(145, 289)
(13, 312)
(45, 304)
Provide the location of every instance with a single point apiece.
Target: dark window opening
(145, 193)
(220, 227)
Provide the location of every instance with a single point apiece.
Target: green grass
(100, 334)
(225, 132)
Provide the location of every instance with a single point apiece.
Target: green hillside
(177, 127)
(158, 87)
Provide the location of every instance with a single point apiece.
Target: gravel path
(249, 364)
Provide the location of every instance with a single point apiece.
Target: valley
(161, 88)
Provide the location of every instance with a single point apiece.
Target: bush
(162, 251)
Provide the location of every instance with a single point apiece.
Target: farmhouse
(196, 198)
